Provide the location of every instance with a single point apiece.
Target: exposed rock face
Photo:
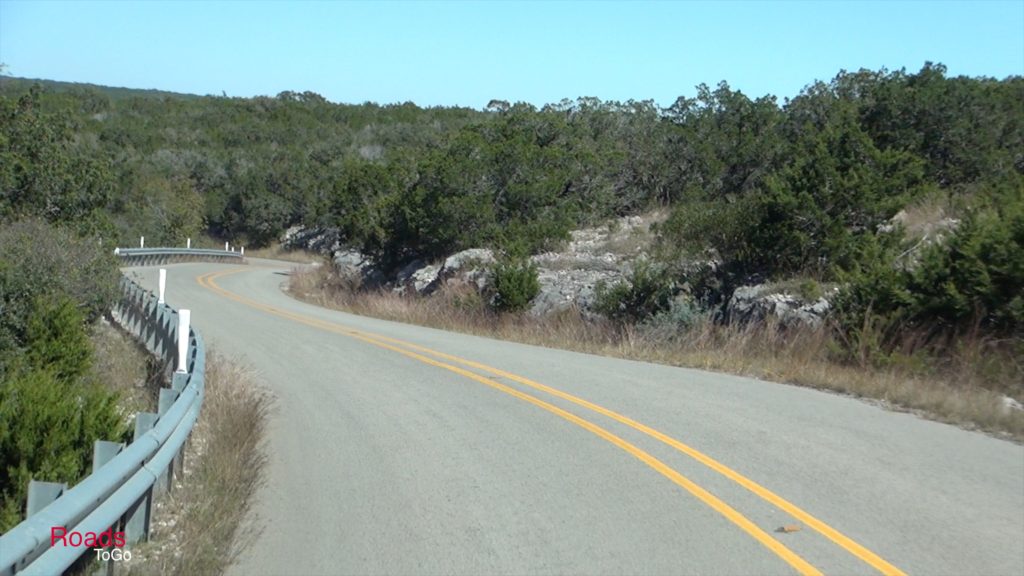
(568, 278)
(756, 303)
(564, 289)
(467, 268)
(417, 277)
(357, 268)
(1010, 405)
(325, 241)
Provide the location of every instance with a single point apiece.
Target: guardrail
(152, 256)
(119, 492)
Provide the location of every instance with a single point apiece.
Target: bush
(51, 409)
(971, 282)
(38, 259)
(647, 292)
(810, 290)
(56, 339)
(682, 315)
(47, 429)
(515, 285)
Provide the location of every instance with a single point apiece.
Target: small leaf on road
(788, 529)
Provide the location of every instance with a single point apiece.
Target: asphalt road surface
(397, 449)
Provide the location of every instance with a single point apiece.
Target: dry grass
(958, 392)
(277, 252)
(637, 239)
(201, 527)
(921, 219)
(121, 364)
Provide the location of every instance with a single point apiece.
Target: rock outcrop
(571, 288)
(762, 302)
(468, 268)
(569, 278)
(324, 241)
(416, 277)
(355, 267)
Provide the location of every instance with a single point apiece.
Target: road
(397, 449)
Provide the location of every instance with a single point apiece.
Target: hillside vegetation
(807, 188)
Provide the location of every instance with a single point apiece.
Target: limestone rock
(761, 302)
(417, 277)
(354, 266)
(468, 267)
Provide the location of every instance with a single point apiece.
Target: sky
(467, 53)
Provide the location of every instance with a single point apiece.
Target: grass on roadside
(121, 364)
(957, 392)
(202, 526)
(277, 252)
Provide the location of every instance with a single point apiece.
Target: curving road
(397, 449)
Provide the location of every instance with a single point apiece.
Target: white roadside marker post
(188, 243)
(225, 246)
(184, 318)
(243, 250)
(161, 285)
(142, 241)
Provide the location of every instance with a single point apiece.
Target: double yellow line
(423, 354)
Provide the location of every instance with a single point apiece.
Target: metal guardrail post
(178, 382)
(103, 452)
(137, 517)
(42, 494)
(166, 479)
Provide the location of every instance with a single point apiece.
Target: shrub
(47, 430)
(38, 259)
(971, 283)
(647, 292)
(56, 339)
(515, 285)
(51, 409)
(682, 315)
(810, 290)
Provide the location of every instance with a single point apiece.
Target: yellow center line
(781, 503)
(780, 550)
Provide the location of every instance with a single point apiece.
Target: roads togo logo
(98, 542)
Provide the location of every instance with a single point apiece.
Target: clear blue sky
(466, 53)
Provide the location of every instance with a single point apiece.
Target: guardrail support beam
(178, 381)
(41, 495)
(166, 480)
(136, 519)
(103, 452)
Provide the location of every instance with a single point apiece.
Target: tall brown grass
(202, 526)
(277, 252)
(962, 389)
(123, 365)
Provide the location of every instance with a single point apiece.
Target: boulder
(354, 266)
(417, 277)
(467, 268)
(325, 241)
(1010, 405)
(758, 303)
(564, 289)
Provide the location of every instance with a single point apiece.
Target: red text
(74, 539)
